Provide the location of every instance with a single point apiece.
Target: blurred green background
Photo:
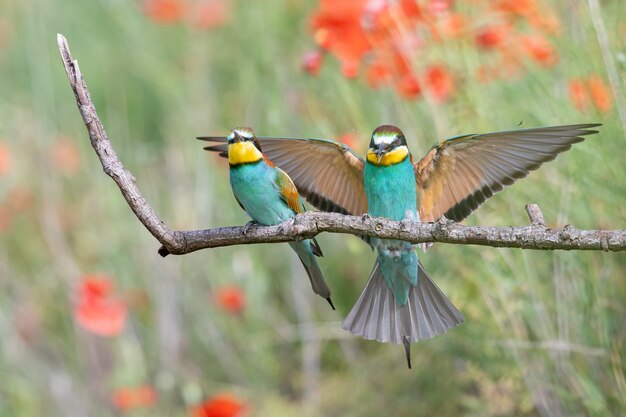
(544, 332)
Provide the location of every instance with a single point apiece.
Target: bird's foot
(246, 227)
(444, 221)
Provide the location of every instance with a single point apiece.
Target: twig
(535, 215)
(110, 162)
(307, 225)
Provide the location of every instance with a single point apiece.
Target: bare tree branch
(307, 225)
(110, 162)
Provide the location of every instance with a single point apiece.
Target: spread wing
(222, 145)
(328, 174)
(459, 174)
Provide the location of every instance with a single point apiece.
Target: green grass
(544, 332)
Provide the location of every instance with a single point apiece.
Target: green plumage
(391, 193)
(258, 188)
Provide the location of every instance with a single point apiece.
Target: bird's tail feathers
(318, 283)
(377, 316)
(315, 247)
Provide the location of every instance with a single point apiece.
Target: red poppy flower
(439, 82)
(600, 93)
(221, 405)
(539, 49)
(129, 398)
(97, 309)
(338, 28)
(165, 11)
(491, 36)
(582, 93)
(311, 62)
(231, 299)
(578, 94)
(408, 86)
(410, 9)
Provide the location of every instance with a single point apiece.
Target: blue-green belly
(391, 193)
(255, 187)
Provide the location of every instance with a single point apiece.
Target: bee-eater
(452, 179)
(270, 197)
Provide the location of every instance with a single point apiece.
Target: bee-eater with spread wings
(400, 303)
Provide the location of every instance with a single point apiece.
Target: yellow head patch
(390, 158)
(243, 153)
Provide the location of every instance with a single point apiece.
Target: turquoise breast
(254, 185)
(390, 190)
(391, 193)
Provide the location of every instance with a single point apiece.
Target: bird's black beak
(380, 150)
(237, 137)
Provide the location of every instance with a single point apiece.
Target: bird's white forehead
(387, 138)
(243, 132)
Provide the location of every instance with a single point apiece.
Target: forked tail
(377, 316)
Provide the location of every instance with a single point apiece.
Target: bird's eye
(245, 136)
(396, 142)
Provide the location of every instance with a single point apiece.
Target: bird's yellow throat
(243, 153)
(390, 158)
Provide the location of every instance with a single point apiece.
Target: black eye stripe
(398, 140)
(245, 139)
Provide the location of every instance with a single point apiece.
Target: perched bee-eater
(270, 197)
(400, 303)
